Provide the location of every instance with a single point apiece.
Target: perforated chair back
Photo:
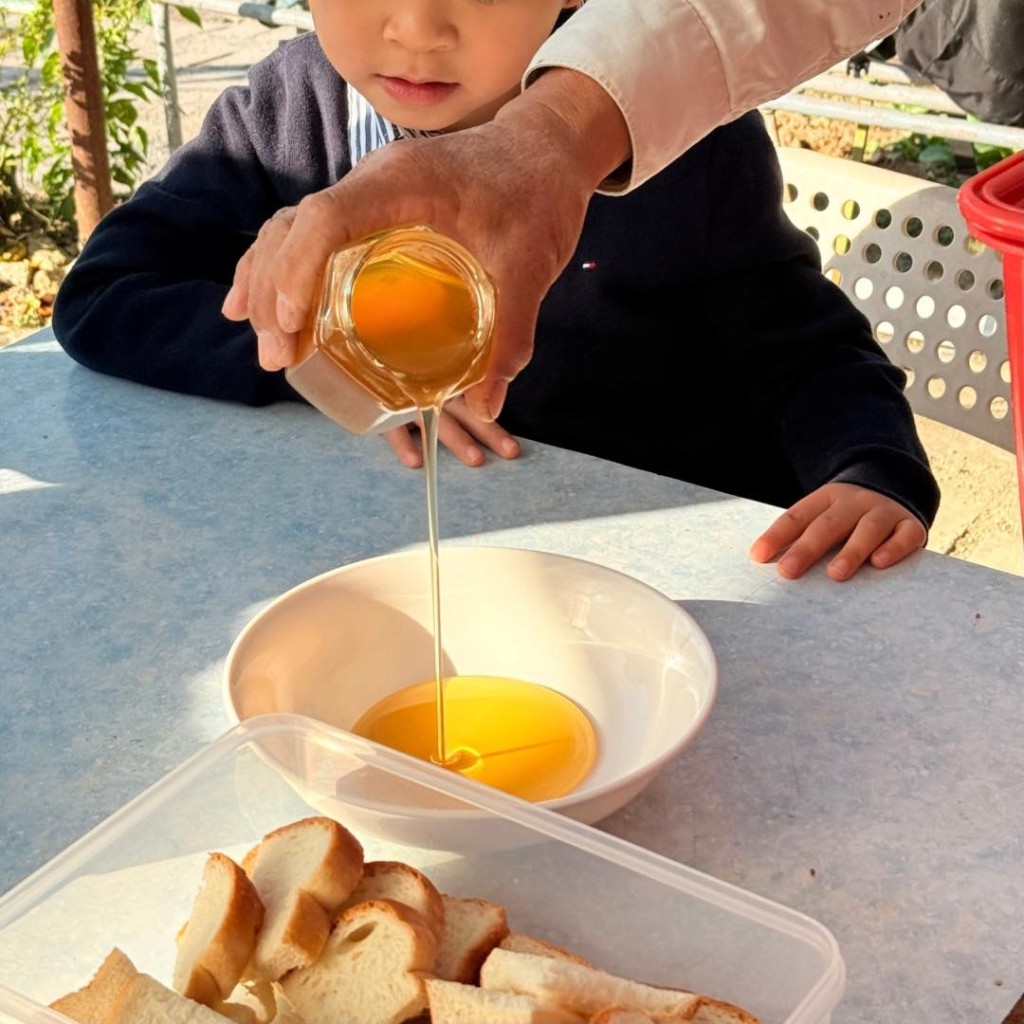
(899, 248)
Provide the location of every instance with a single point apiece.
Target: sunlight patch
(11, 480)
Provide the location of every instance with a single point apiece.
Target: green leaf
(136, 90)
(190, 14)
(30, 50)
(936, 153)
(152, 70)
(51, 74)
(123, 111)
(986, 156)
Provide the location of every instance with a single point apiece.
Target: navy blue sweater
(692, 333)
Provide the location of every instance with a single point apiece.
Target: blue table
(863, 763)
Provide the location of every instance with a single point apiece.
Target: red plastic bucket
(992, 203)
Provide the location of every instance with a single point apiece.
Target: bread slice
(472, 928)
(220, 935)
(303, 872)
(709, 1011)
(252, 1001)
(401, 883)
(453, 1003)
(516, 942)
(620, 1015)
(372, 970)
(144, 999)
(91, 1004)
(583, 990)
(715, 1011)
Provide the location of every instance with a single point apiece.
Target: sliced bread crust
(472, 928)
(372, 969)
(620, 1015)
(401, 883)
(454, 1003)
(91, 1004)
(517, 942)
(302, 872)
(716, 1011)
(583, 990)
(219, 937)
(144, 999)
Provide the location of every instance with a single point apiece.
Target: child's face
(434, 64)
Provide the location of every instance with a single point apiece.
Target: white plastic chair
(899, 248)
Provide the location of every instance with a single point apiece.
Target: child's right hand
(460, 430)
(868, 527)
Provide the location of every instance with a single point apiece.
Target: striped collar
(368, 130)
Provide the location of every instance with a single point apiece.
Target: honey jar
(402, 322)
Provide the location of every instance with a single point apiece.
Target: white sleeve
(679, 68)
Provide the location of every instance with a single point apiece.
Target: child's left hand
(874, 528)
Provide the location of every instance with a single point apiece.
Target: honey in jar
(403, 322)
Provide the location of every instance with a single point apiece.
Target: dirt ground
(978, 519)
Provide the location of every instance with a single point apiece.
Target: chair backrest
(899, 248)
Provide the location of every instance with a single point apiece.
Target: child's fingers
(833, 524)
(908, 537)
(492, 434)
(871, 531)
(404, 446)
(788, 528)
(458, 440)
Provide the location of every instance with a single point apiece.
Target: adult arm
(515, 191)
(678, 68)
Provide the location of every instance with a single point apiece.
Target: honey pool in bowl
(636, 664)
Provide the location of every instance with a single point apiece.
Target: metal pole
(83, 101)
(926, 124)
(161, 15)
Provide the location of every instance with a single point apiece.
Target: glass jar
(403, 321)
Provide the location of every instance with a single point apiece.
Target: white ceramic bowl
(636, 663)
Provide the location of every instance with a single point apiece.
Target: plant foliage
(35, 151)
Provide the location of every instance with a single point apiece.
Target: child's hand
(873, 527)
(459, 430)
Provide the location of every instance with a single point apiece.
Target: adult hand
(513, 191)
(870, 527)
(461, 432)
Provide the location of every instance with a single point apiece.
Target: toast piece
(709, 1011)
(371, 971)
(144, 999)
(516, 942)
(453, 1003)
(401, 883)
(252, 1001)
(91, 1004)
(583, 990)
(220, 935)
(620, 1015)
(715, 1011)
(472, 928)
(302, 872)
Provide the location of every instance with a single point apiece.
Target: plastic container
(993, 206)
(403, 320)
(131, 881)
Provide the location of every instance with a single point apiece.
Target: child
(692, 334)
